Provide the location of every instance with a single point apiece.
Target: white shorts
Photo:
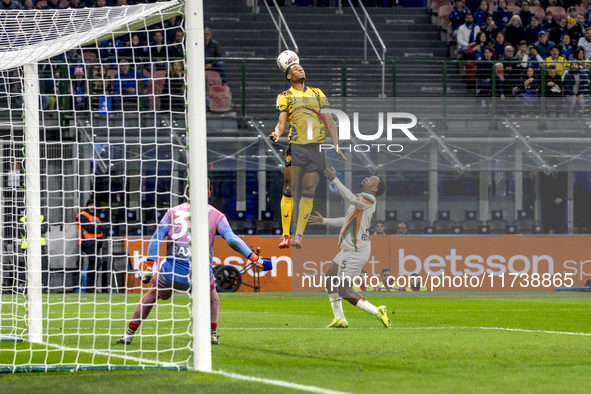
(351, 263)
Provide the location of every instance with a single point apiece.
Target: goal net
(92, 124)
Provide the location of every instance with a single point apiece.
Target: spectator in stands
(558, 61)
(481, 14)
(514, 31)
(100, 3)
(125, 85)
(533, 58)
(173, 94)
(212, 51)
(584, 43)
(549, 22)
(579, 55)
(491, 29)
(28, 5)
(502, 15)
(531, 31)
(556, 33)
(501, 89)
(521, 50)
(379, 228)
(473, 6)
(175, 50)
(76, 4)
(553, 91)
(571, 17)
(171, 26)
(135, 52)
(528, 91)
(401, 229)
(158, 50)
(79, 90)
(73, 57)
(475, 51)
(551, 3)
(484, 75)
(457, 16)
(499, 45)
(10, 5)
(512, 68)
(52, 5)
(587, 17)
(576, 87)
(101, 86)
(578, 30)
(121, 2)
(467, 33)
(566, 49)
(525, 14)
(543, 45)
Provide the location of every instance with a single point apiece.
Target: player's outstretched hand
(315, 219)
(340, 153)
(261, 263)
(330, 174)
(147, 275)
(274, 136)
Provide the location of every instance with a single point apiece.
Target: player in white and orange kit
(355, 248)
(174, 273)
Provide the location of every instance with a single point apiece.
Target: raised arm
(238, 245)
(318, 219)
(347, 195)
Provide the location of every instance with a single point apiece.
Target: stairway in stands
(321, 33)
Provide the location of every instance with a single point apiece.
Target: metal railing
(367, 39)
(278, 25)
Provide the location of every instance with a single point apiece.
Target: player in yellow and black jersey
(300, 105)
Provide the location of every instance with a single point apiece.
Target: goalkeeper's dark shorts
(308, 157)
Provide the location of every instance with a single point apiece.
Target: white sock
(337, 306)
(367, 306)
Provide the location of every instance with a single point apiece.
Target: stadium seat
(221, 98)
(444, 226)
(471, 226)
(497, 226)
(417, 226)
(213, 78)
(538, 11)
(524, 226)
(581, 10)
(557, 12)
(514, 9)
(89, 57)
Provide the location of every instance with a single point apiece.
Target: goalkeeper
(174, 273)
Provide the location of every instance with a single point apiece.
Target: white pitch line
(419, 328)
(281, 383)
(121, 356)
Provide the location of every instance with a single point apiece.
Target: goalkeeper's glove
(149, 272)
(261, 263)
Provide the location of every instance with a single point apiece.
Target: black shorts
(307, 156)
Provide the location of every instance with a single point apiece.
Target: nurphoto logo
(392, 120)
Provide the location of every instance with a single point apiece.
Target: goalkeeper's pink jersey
(177, 220)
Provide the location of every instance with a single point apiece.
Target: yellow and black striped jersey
(303, 108)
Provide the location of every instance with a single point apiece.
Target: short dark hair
(381, 187)
(522, 42)
(379, 222)
(90, 202)
(587, 28)
(555, 46)
(552, 67)
(386, 269)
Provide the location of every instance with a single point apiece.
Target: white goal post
(41, 329)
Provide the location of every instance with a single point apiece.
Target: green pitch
(531, 342)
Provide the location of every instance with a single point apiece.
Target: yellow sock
(286, 214)
(306, 205)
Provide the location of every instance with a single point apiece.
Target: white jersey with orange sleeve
(354, 235)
